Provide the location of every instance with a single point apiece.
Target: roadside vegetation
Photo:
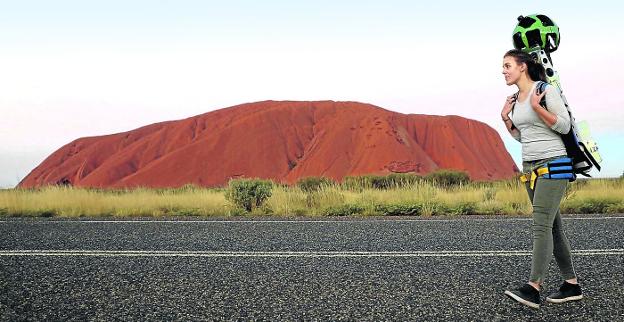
(439, 193)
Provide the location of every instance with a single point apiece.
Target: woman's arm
(507, 107)
(515, 133)
(556, 117)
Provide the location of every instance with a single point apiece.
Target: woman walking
(539, 129)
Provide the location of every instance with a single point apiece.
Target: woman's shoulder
(549, 88)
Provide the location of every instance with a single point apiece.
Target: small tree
(248, 193)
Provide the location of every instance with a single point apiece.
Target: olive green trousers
(548, 236)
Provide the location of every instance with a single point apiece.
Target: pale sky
(71, 69)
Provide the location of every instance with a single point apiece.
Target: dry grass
(504, 197)
(71, 202)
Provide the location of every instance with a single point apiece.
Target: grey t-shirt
(538, 140)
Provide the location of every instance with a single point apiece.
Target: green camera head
(536, 32)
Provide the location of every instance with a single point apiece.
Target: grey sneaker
(567, 292)
(526, 295)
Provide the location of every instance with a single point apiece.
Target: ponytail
(535, 69)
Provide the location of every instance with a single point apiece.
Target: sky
(71, 69)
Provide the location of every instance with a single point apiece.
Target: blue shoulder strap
(541, 87)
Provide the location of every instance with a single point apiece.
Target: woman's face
(512, 70)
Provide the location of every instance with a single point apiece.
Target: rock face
(278, 140)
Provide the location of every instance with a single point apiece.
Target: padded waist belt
(556, 169)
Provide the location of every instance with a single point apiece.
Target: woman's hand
(536, 99)
(507, 107)
(548, 117)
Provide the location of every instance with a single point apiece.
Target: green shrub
(615, 208)
(597, 206)
(344, 210)
(248, 193)
(390, 181)
(35, 213)
(311, 184)
(492, 209)
(181, 211)
(236, 211)
(435, 208)
(358, 183)
(440, 209)
(448, 178)
(464, 208)
(382, 182)
(406, 209)
(191, 212)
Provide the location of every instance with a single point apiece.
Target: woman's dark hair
(536, 70)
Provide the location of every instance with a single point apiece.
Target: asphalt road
(271, 269)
